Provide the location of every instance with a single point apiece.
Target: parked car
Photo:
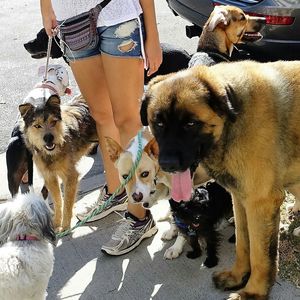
(281, 35)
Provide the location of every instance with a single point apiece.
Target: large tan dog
(241, 121)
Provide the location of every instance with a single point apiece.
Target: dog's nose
(48, 138)
(169, 164)
(137, 197)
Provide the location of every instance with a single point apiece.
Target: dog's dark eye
(197, 218)
(38, 126)
(243, 17)
(145, 174)
(53, 123)
(160, 124)
(189, 124)
(125, 176)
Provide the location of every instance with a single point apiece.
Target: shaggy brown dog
(241, 121)
(58, 136)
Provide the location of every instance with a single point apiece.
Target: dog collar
(52, 88)
(47, 86)
(26, 238)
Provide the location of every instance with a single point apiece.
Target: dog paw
(193, 254)
(227, 280)
(163, 218)
(243, 295)
(211, 262)
(58, 229)
(172, 252)
(169, 234)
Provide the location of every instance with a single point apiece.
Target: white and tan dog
(148, 184)
(26, 251)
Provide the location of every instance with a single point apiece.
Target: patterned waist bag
(80, 32)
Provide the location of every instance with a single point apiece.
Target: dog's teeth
(50, 147)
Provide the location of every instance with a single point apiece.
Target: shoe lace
(103, 196)
(124, 229)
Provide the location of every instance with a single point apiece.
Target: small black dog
(198, 219)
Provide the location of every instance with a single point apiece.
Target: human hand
(153, 54)
(49, 18)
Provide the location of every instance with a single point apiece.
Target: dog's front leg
(52, 185)
(196, 252)
(175, 250)
(70, 190)
(238, 274)
(263, 217)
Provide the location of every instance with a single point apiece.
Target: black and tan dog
(58, 136)
(241, 121)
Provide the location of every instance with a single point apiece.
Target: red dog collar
(26, 238)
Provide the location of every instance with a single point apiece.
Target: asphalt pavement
(81, 270)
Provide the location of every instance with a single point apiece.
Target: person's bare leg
(128, 75)
(91, 80)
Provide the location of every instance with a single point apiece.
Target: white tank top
(115, 12)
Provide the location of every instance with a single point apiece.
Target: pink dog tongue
(181, 186)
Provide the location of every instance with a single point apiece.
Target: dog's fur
(58, 136)
(199, 218)
(26, 252)
(241, 121)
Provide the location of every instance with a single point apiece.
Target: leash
(50, 38)
(115, 193)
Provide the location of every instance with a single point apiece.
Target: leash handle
(50, 38)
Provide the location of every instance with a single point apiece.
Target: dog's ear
(152, 148)
(113, 148)
(143, 110)
(48, 230)
(25, 108)
(222, 100)
(53, 101)
(147, 98)
(219, 16)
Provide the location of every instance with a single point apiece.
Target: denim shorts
(122, 40)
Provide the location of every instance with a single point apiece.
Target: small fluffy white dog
(26, 252)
